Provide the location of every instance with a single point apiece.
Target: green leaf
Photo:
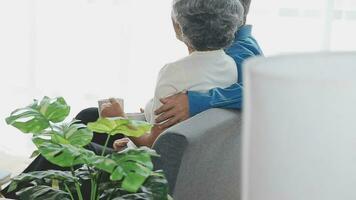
(41, 176)
(63, 155)
(42, 192)
(58, 139)
(105, 125)
(133, 182)
(117, 174)
(110, 190)
(55, 110)
(135, 165)
(140, 155)
(78, 135)
(132, 166)
(75, 134)
(101, 162)
(36, 117)
(136, 196)
(120, 126)
(157, 186)
(28, 120)
(84, 174)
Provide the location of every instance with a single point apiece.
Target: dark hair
(208, 24)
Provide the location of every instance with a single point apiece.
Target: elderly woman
(206, 27)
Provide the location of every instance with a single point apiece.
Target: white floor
(13, 164)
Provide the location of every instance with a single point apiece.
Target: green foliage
(62, 145)
(75, 134)
(129, 173)
(42, 177)
(37, 117)
(154, 188)
(43, 192)
(61, 154)
(135, 165)
(55, 110)
(127, 127)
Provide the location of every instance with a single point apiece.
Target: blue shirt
(243, 47)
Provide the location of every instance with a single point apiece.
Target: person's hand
(121, 144)
(174, 110)
(112, 109)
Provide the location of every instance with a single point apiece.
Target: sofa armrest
(196, 146)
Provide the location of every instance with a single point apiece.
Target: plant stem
(98, 176)
(92, 182)
(92, 195)
(79, 192)
(97, 183)
(68, 190)
(77, 186)
(105, 146)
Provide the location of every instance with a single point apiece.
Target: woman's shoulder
(176, 66)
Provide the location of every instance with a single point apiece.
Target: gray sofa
(201, 156)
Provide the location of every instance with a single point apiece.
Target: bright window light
(85, 50)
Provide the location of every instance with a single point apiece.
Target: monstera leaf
(155, 188)
(43, 192)
(55, 110)
(41, 176)
(37, 117)
(63, 155)
(28, 119)
(120, 126)
(140, 155)
(75, 134)
(134, 165)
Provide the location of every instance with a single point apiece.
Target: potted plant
(121, 175)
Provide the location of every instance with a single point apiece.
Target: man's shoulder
(247, 45)
(244, 45)
(244, 48)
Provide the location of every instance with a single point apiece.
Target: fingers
(105, 110)
(117, 110)
(164, 108)
(168, 103)
(173, 121)
(104, 106)
(168, 99)
(174, 110)
(164, 100)
(120, 144)
(114, 102)
(166, 115)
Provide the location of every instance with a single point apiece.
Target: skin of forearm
(147, 139)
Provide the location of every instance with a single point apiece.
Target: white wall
(283, 26)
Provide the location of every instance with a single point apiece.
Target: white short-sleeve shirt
(200, 71)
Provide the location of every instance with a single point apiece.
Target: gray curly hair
(208, 24)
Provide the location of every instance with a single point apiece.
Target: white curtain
(85, 50)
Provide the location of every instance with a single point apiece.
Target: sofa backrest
(201, 156)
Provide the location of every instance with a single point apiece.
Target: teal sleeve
(229, 98)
